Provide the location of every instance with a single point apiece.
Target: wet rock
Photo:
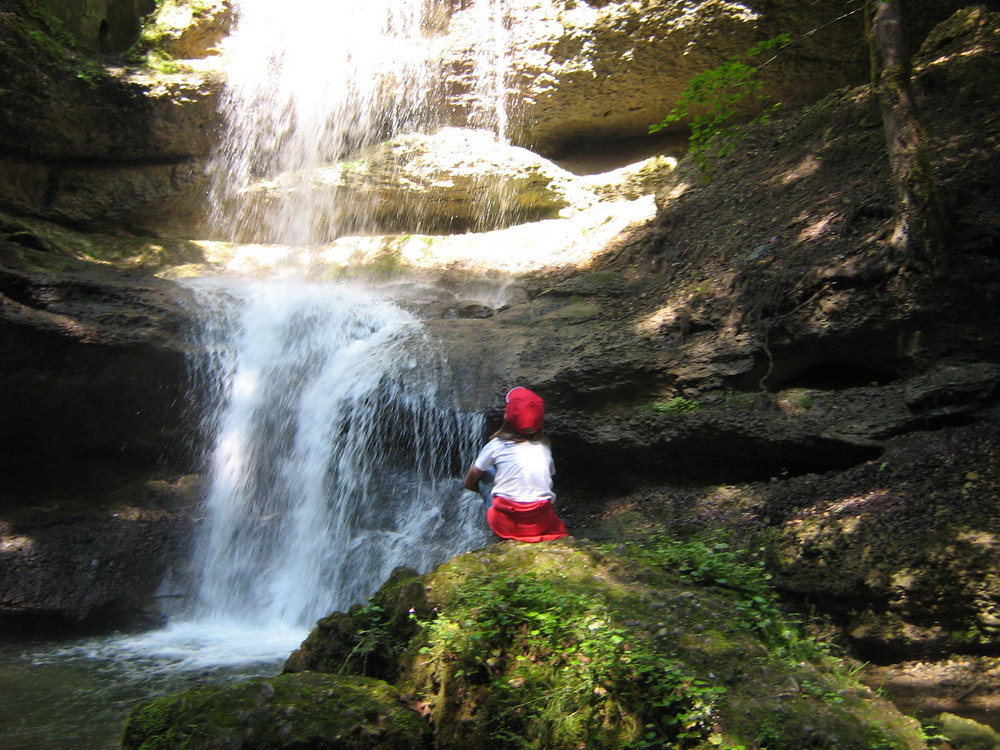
(453, 180)
(71, 565)
(287, 712)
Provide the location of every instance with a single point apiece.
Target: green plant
(371, 632)
(163, 62)
(735, 398)
(714, 561)
(711, 103)
(801, 399)
(560, 673)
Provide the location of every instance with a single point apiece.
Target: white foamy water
(308, 83)
(335, 452)
(311, 83)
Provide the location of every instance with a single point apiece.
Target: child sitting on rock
(521, 494)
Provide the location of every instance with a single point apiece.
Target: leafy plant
(716, 562)
(561, 673)
(711, 103)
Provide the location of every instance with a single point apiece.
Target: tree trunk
(917, 237)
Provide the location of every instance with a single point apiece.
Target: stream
(75, 695)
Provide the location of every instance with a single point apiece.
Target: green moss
(161, 27)
(562, 646)
(286, 711)
(46, 246)
(54, 43)
(676, 644)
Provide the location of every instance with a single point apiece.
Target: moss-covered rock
(183, 29)
(966, 734)
(310, 710)
(369, 639)
(565, 645)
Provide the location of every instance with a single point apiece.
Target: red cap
(525, 410)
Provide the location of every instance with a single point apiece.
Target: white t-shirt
(524, 469)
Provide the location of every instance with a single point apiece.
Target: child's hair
(507, 432)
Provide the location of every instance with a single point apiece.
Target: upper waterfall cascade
(312, 84)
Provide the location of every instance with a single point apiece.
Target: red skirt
(525, 522)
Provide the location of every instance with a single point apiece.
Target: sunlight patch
(805, 168)
(817, 229)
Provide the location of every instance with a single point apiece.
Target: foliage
(677, 644)
(55, 44)
(560, 674)
(711, 103)
(713, 561)
(571, 649)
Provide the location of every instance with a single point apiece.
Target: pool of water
(77, 694)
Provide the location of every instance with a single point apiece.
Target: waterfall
(335, 449)
(308, 83)
(311, 83)
(333, 445)
(335, 452)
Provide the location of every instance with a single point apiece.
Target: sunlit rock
(610, 69)
(549, 244)
(453, 180)
(185, 29)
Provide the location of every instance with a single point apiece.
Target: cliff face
(111, 148)
(753, 356)
(756, 356)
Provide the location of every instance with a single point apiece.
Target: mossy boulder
(966, 734)
(566, 645)
(369, 639)
(315, 711)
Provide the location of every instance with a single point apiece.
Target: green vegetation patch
(46, 246)
(161, 28)
(664, 643)
(282, 712)
(563, 645)
(54, 44)
(673, 406)
(715, 101)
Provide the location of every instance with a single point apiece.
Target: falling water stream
(334, 443)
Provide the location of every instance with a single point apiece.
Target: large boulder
(559, 645)
(288, 712)
(452, 180)
(542, 644)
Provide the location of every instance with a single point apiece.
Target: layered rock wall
(124, 150)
